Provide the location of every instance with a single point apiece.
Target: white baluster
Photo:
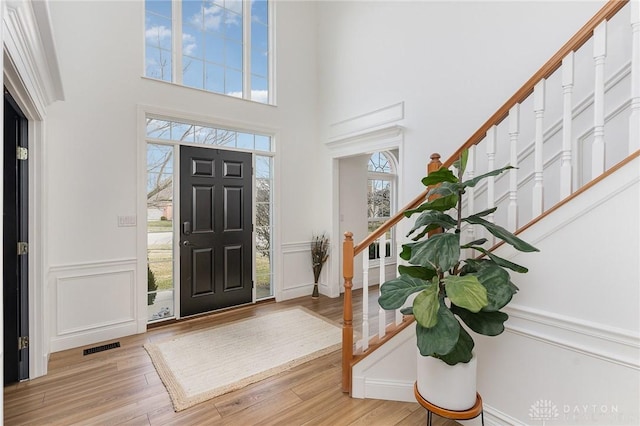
(365, 299)
(538, 166)
(514, 132)
(471, 172)
(634, 119)
(599, 55)
(382, 321)
(492, 135)
(566, 170)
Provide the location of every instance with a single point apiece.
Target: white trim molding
(32, 76)
(30, 49)
(367, 122)
(596, 340)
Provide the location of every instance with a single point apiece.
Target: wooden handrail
(350, 251)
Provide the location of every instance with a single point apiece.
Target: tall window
(220, 46)
(163, 140)
(380, 194)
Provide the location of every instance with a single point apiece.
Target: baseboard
(89, 338)
(390, 390)
(298, 291)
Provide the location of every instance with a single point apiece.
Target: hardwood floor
(121, 387)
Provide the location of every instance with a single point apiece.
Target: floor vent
(101, 348)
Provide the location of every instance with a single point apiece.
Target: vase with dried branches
(319, 255)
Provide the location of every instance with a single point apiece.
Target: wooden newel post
(433, 166)
(347, 324)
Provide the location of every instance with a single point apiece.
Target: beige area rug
(200, 365)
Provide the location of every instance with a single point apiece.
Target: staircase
(572, 340)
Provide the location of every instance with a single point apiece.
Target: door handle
(187, 243)
(186, 228)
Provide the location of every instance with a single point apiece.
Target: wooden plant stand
(471, 413)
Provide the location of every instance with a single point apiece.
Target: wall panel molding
(93, 302)
(596, 340)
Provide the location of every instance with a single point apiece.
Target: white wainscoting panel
(92, 302)
(297, 274)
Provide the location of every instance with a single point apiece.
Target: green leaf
(474, 265)
(466, 292)
(484, 213)
(502, 262)
(426, 305)
(440, 338)
(433, 220)
(461, 163)
(473, 182)
(406, 251)
(462, 350)
(479, 242)
(394, 293)
(486, 323)
(439, 252)
(417, 272)
(499, 290)
(439, 176)
(407, 311)
(501, 233)
(445, 189)
(440, 204)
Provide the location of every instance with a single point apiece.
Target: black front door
(215, 229)
(15, 231)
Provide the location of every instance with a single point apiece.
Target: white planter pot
(448, 386)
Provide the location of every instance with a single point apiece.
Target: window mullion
(176, 39)
(246, 49)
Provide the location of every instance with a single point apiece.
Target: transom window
(220, 46)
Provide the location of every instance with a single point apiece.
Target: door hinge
(23, 342)
(22, 153)
(23, 248)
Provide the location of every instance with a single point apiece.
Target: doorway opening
(165, 140)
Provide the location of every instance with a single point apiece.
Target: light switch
(126, 221)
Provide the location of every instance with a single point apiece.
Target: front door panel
(216, 232)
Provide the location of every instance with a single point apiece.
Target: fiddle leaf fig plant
(450, 288)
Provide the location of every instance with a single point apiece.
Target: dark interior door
(216, 229)
(15, 231)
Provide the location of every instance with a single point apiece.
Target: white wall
(353, 206)
(92, 139)
(451, 63)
